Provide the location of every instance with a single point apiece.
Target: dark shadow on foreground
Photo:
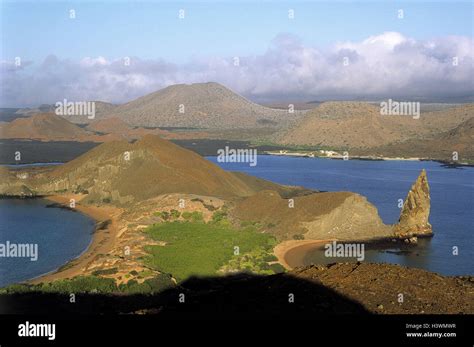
(236, 296)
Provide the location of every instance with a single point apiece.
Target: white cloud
(388, 39)
(385, 65)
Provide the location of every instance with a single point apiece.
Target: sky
(329, 49)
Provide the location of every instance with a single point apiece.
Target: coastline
(103, 239)
(291, 252)
(310, 154)
(304, 154)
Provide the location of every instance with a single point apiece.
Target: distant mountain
(350, 125)
(44, 108)
(201, 105)
(101, 108)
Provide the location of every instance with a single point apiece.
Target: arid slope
(357, 125)
(439, 146)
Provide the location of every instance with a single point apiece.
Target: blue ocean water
(384, 183)
(61, 235)
(24, 166)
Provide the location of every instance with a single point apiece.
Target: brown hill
(50, 127)
(43, 126)
(349, 125)
(123, 172)
(204, 105)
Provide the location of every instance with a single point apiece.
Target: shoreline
(369, 158)
(292, 251)
(309, 154)
(102, 242)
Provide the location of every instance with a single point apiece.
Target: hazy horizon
(284, 100)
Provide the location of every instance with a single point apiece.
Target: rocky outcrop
(12, 184)
(413, 219)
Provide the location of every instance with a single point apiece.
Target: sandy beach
(290, 253)
(103, 240)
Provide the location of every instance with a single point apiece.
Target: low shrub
(110, 271)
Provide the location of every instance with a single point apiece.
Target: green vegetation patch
(195, 217)
(94, 284)
(196, 248)
(110, 271)
(219, 216)
(256, 261)
(80, 284)
(149, 286)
